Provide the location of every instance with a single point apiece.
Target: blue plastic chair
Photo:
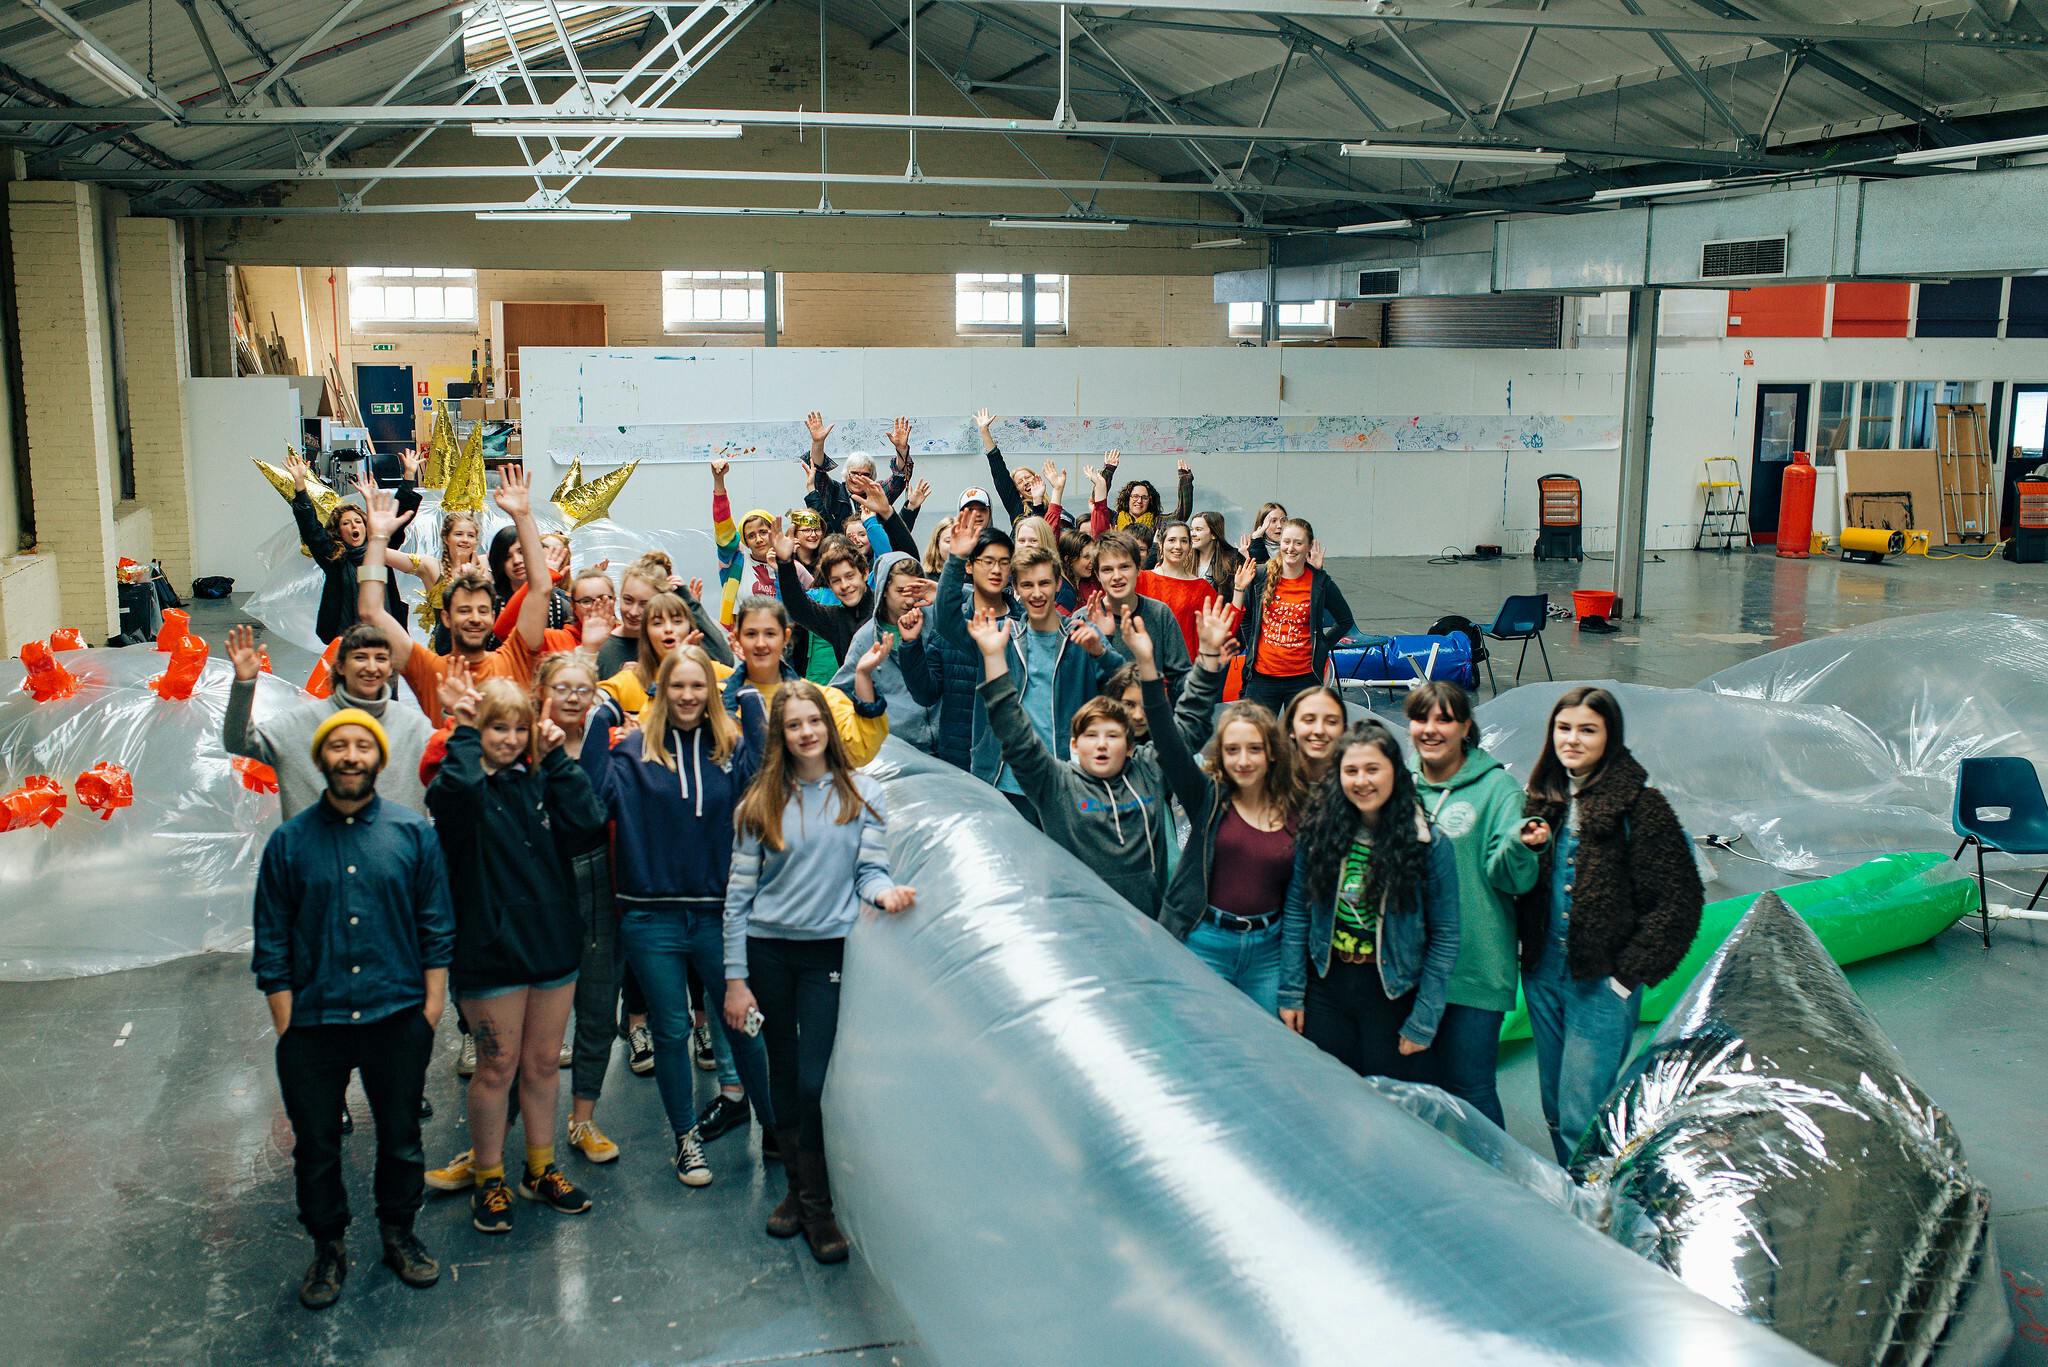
(1999, 806)
(1521, 618)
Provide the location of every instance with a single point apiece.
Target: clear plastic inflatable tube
(1058, 1138)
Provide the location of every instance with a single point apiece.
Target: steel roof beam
(1699, 81)
(306, 45)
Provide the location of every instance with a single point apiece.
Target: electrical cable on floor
(1451, 555)
(1989, 551)
(1651, 559)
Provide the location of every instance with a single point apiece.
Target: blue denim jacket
(1417, 948)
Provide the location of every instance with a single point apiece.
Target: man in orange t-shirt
(467, 606)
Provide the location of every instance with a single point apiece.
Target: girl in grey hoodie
(901, 592)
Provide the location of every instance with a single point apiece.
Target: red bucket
(1592, 603)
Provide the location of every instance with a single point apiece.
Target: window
(1317, 319)
(410, 294)
(717, 301)
(1876, 407)
(589, 25)
(1833, 433)
(995, 303)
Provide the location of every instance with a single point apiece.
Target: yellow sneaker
(589, 1141)
(459, 1175)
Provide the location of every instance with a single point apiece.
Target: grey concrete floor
(152, 1215)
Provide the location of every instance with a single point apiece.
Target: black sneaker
(700, 1050)
(640, 1041)
(348, 1122)
(322, 1286)
(551, 1188)
(426, 1109)
(722, 1115)
(490, 1207)
(408, 1257)
(691, 1169)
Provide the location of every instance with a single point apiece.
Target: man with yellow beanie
(354, 932)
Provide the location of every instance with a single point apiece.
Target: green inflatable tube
(1891, 902)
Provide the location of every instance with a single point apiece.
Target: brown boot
(786, 1221)
(821, 1228)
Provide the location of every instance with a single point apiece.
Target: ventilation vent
(1749, 256)
(1378, 284)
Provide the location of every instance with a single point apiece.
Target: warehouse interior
(1722, 325)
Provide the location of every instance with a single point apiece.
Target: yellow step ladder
(1726, 511)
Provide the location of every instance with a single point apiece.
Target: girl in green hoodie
(1467, 795)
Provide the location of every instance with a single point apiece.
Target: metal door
(1781, 411)
(384, 392)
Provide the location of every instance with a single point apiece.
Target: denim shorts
(484, 994)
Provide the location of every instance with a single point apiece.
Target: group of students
(611, 804)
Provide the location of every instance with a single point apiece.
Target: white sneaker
(568, 1054)
(465, 1062)
(691, 1169)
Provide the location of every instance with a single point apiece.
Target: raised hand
(1182, 468)
(697, 587)
(694, 636)
(1110, 459)
(899, 436)
(910, 623)
(242, 653)
(363, 484)
(1215, 627)
(815, 424)
(547, 733)
(295, 466)
(1247, 575)
(1136, 640)
(991, 634)
(1097, 481)
(514, 494)
(983, 420)
(872, 658)
(596, 628)
(897, 899)
(1315, 553)
(411, 462)
(919, 492)
(719, 465)
(920, 593)
(785, 545)
(1100, 615)
(381, 509)
(868, 494)
(1244, 545)
(1083, 634)
(962, 538)
(558, 558)
(458, 693)
(1055, 478)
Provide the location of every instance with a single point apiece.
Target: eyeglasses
(991, 562)
(588, 601)
(562, 690)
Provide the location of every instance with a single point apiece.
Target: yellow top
(862, 736)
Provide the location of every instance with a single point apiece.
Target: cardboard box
(472, 410)
(513, 446)
(512, 410)
(494, 410)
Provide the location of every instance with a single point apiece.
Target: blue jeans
(1247, 960)
(1465, 1056)
(1582, 1032)
(660, 945)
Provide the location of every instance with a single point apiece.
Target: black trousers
(1274, 693)
(797, 984)
(313, 1064)
(1349, 1016)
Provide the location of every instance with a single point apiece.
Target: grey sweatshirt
(1117, 826)
(285, 743)
(811, 888)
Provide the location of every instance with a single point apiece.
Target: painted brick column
(156, 350)
(65, 372)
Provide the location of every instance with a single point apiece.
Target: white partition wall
(234, 509)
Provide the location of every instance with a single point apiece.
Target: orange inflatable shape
(177, 625)
(320, 683)
(66, 638)
(38, 802)
(105, 789)
(256, 776)
(188, 660)
(47, 680)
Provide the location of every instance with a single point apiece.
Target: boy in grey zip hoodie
(1108, 806)
(362, 679)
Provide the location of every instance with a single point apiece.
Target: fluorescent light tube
(2004, 147)
(1401, 151)
(552, 215)
(1215, 242)
(1389, 225)
(606, 128)
(1670, 187)
(1078, 225)
(95, 61)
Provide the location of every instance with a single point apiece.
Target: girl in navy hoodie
(670, 789)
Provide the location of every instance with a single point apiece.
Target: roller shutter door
(1516, 321)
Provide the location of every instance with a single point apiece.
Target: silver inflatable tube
(1058, 1138)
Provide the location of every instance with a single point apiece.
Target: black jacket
(509, 839)
(834, 621)
(1636, 891)
(1325, 600)
(338, 563)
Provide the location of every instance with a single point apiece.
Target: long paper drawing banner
(601, 445)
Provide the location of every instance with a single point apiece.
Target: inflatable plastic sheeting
(171, 875)
(287, 598)
(1768, 1147)
(1812, 789)
(1889, 903)
(1058, 1138)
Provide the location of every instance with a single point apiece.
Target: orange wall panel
(1777, 311)
(1867, 309)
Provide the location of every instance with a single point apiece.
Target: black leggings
(1275, 693)
(1348, 1016)
(797, 984)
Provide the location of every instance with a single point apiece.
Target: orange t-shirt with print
(424, 670)
(1285, 643)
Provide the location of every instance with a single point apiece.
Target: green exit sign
(383, 346)
(387, 408)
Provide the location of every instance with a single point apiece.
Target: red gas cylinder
(1795, 508)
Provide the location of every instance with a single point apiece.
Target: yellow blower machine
(1870, 545)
